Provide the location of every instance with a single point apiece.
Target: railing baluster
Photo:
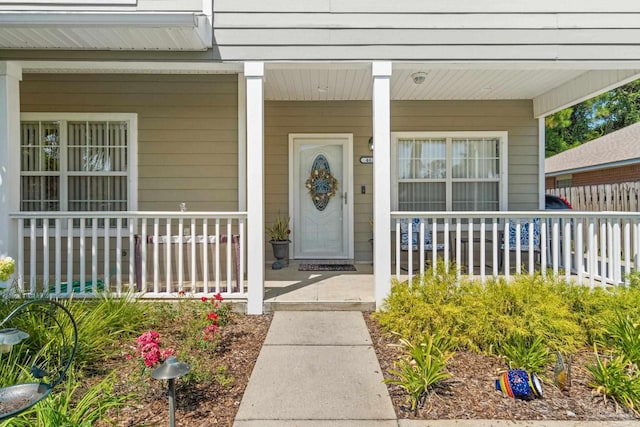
(531, 245)
(118, 256)
(482, 250)
(544, 247)
(106, 243)
(470, 247)
(580, 250)
(156, 255)
(33, 246)
(205, 256)
(82, 256)
(229, 247)
(168, 256)
(143, 257)
(603, 253)
(180, 254)
(132, 249)
(20, 260)
(506, 243)
(217, 254)
(616, 252)
(194, 271)
(627, 250)
(494, 246)
(518, 247)
(240, 277)
(45, 255)
(410, 250)
(58, 267)
(567, 248)
(94, 254)
(447, 244)
(593, 250)
(555, 245)
(421, 248)
(69, 255)
(458, 247)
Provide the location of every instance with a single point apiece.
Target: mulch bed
(470, 393)
(206, 403)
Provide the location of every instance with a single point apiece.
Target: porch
(170, 255)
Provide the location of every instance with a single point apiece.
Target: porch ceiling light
(419, 77)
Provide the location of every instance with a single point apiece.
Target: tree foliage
(593, 118)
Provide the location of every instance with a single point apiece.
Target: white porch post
(10, 76)
(254, 74)
(381, 72)
(541, 156)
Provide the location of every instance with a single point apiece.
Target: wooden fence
(621, 197)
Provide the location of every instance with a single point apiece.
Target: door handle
(345, 197)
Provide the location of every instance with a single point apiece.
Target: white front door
(321, 205)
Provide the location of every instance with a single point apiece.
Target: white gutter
(110, 19)
(594, 167)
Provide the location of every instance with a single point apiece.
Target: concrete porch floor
(290, 289)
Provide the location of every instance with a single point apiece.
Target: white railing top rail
(130, 214)
(515, 214)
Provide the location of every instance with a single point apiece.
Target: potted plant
(279, 233)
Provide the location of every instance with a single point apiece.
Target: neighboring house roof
(618, 148)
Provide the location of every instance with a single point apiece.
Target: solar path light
(170, 370)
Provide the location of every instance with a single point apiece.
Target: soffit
(105, 31)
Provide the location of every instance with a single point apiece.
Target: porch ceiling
(316, 84)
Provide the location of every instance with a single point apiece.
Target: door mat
(326, 267)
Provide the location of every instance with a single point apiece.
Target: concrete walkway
(316, 368)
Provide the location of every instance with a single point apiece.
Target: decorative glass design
(322, 185)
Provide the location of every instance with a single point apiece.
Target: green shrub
(482, 317)
(424, 367)
(624, 338)
(615, 378)
(103, 322)
(530, 355)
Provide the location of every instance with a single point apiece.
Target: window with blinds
(455, 172)
(75, 165)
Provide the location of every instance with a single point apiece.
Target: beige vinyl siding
(187, 130)
(546, 30)
(283, 118)
(514, 117)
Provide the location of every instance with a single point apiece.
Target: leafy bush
(482, 317)
(424, 367)
(624, 338)
(615, 378)
(529, 355)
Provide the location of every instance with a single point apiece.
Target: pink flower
(218, 297)
(204, 299)
(212, 316)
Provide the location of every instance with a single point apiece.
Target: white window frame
(502, 136)
(132, 148)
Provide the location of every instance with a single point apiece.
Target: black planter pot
(281, 253)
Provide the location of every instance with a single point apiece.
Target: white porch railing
(595, 248)
(150, 254)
